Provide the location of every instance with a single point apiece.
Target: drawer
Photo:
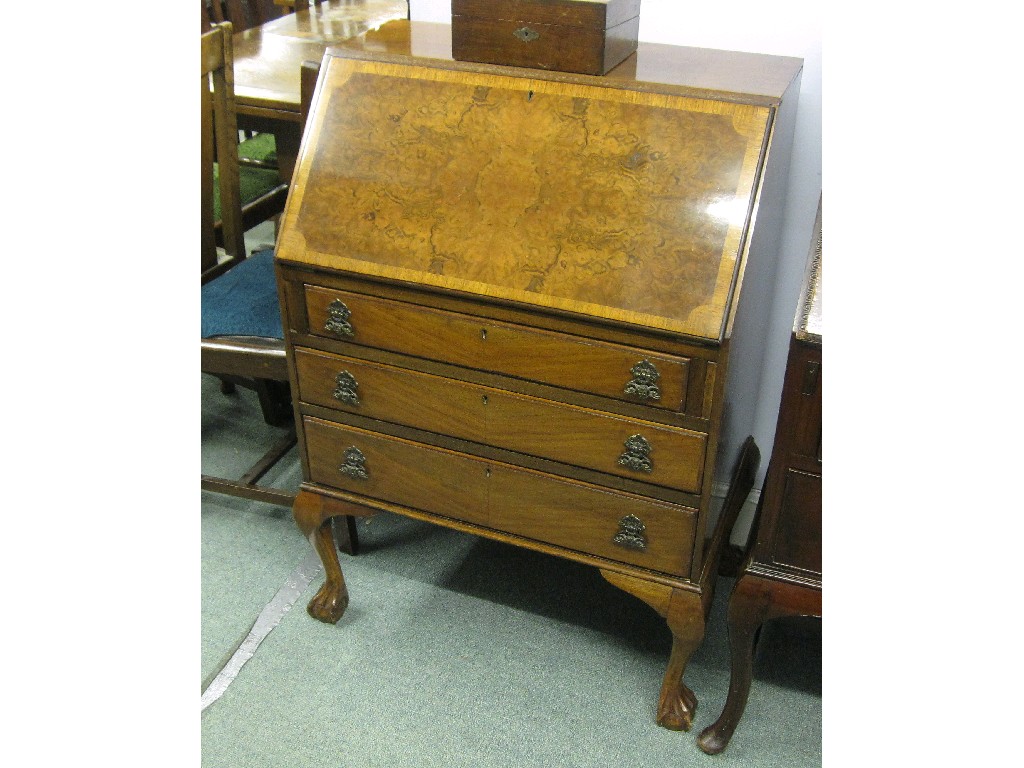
(620, 526)
(397, 471)
(571, 362)
(640, 450)
(566, 513)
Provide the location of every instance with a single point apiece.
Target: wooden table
(268, 60)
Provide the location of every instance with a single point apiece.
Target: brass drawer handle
(637, 455)
(345, 391)
(526, 34)
(355, 464)
(337, 319)
(644, 383)
(631, 533)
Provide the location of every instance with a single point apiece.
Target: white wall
(783, 27)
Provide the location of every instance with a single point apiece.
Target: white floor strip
(269, 618)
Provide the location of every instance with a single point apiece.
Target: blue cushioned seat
(243, 301)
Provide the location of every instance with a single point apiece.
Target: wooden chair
(290, 6)
(243, 14)
(262, 189)
(242, 338)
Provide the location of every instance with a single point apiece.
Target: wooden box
(589, 37)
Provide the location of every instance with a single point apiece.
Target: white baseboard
(740, 531)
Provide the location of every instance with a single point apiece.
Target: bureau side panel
(749, 316)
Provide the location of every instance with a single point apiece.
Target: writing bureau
(512, 304)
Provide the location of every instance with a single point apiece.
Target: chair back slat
(220, 141)
(243, 14)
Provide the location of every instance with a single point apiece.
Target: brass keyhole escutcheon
(526, 34)
(483, 334)
(484, 399)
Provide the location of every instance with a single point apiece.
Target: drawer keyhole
(483, 334)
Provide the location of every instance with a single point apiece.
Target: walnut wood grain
(593, 221)
(563, 433)
(588, 517)
(516, 235)
(484, 344)
(561, 512)
(398, 471)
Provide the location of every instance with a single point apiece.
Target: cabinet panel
(797, 540)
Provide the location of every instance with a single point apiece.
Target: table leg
(287, 138)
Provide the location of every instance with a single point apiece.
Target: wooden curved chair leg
(314, 520)
(275, 401)
(747, 612)
(345, 534)
(683, 611)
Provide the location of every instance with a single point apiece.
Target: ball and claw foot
(676, 712)
(329, 604)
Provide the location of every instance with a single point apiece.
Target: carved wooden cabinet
(511, 298)
(782, 573)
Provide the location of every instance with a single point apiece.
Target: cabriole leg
(747, 611)
(684, 613)
(314, 520)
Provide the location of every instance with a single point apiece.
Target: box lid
(594, 14)
(563, 194)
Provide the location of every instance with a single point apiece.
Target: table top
(752, 78)
(268, 58)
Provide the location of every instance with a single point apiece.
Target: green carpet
(458, 651)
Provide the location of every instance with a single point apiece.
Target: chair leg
(345, 534)
(275, 401)
(227, 387)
